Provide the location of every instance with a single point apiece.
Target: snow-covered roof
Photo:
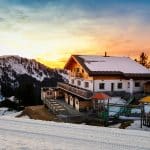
(102, 64)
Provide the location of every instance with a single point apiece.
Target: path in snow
(34, 134)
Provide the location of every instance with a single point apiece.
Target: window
(72, 81)
(86, 84)
(119, 85)
(128, 84)
(101, 86)
(77, 102)
(79, 82)
(137, 84)
(77, 69)
(48, 93)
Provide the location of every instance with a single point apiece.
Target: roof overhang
(145, 99)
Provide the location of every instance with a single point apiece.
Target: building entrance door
(68, 99)
(74, 102)
(112, 87)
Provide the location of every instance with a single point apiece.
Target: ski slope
(20, 133)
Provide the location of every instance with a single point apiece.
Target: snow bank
(12, 98)
(2, 98)
(137, 126)
(147, 108)
(5, 111)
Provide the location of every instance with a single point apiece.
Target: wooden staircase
(54, 106)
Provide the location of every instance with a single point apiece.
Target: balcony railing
(79, 75)
(76, 74)
(75, 90)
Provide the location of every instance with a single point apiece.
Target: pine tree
(143, 60)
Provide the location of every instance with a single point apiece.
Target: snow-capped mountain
(20, 73)
(12, 66)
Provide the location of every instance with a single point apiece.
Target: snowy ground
(2, 98)
(136, 125)
(34, 134)
(5, 111)
(23, 133)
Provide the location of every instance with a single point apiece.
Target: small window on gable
(79, 82)
(137, 84)
(119, 85)
(78, 69)
(86, 84)
(101, 86)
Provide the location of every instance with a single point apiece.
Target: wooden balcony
(79, 75)
(75, 90)
(76, 74)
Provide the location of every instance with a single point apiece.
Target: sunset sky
(51, 30)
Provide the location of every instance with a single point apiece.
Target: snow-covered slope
(13, 69)
(32, 134)
(15, 65)
(22, 77)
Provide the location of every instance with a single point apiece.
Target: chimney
(105, 54)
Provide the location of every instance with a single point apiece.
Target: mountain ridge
(23, 78)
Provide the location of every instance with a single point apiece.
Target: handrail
(75, 90)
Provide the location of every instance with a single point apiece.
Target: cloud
(66, 27)
(2, 19)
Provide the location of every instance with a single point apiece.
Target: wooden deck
(85, 94)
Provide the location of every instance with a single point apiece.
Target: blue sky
(38, 28)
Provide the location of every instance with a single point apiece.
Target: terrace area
(85, 94)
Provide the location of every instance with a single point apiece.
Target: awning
(100, 96)
(145, 100)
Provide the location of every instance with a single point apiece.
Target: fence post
(142, 114)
